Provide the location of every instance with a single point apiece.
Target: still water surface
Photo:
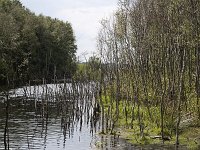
(52, 117)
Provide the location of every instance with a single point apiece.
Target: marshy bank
(57, 116)
(149, 56)
(53, 116)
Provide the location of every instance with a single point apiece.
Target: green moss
(191, 137)
(188, 136)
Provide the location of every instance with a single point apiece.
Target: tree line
(150, 64)
(33, 47)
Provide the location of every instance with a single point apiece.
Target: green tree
(34, 47)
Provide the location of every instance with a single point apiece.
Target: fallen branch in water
(165, 138)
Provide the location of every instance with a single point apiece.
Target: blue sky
(84, 15)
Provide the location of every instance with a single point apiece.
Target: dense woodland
(151, 80)
(33, 47)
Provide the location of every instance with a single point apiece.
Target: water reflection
(49, 117)
(62, 116)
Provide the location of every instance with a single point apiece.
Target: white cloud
(84, 15)
(86, 22)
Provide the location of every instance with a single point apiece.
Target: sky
(84, 15)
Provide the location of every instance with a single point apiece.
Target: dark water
(28, 130)
(51, 118)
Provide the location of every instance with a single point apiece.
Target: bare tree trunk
(181, 84)
(6, 132)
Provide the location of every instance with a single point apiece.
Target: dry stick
(6, 134)
(101, 100)
(198, 80)
(27, 139)
(181, 83)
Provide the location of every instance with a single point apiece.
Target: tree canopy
(33, 47)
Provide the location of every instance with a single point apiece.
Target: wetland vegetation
(143, 86)
(150, 71)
